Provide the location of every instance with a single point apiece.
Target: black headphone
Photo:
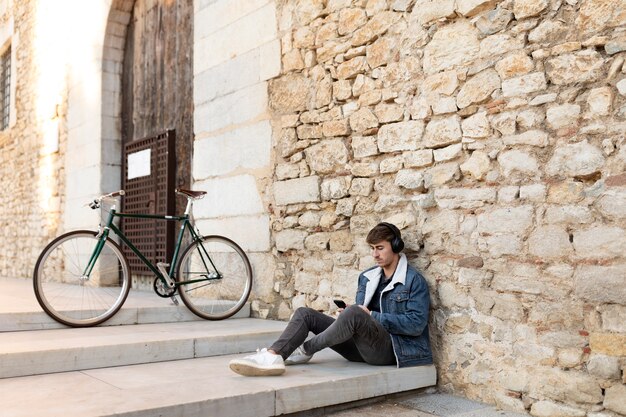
(397, 244)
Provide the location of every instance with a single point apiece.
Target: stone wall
(236, 52)
(31, 150)
(492, 133)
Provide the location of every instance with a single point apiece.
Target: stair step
(61, 350)
(21, 312)
(205, 386)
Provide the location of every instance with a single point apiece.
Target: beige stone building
(492, 132)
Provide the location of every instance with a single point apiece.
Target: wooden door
(157, 87)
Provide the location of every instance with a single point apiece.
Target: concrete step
(61, 350)
(204, 387)
(19, 310)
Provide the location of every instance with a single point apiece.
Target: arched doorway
(148, 63)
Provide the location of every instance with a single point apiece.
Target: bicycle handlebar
(96, 203)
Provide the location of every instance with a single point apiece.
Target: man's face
(382, 253)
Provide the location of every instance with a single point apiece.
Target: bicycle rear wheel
(70, 297)
(224, 274)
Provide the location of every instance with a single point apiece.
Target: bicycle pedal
(174, 300)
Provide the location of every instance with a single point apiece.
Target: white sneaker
(262, 363)
(297, 357)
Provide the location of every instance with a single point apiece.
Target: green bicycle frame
(186, 224)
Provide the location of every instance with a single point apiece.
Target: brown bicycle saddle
(191, 193)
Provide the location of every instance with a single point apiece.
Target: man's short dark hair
(379, 233)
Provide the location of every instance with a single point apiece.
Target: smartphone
(340, 303)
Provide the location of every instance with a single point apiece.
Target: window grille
(5, 88)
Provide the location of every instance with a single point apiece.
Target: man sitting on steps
(388, 324)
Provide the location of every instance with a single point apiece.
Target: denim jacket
(404, 307)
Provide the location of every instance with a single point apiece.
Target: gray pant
(355, 335)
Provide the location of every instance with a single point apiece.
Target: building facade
(492, 132)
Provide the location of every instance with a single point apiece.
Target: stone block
(452, 45)
(453, 198)
(336, 128)
(215, 15)
(362, 186)
(524, 85)
(247, 147)
(568, 214)
(603, 366)
(250, 31)
(469, 8)
(600, 242)
(575, 160)
(448, 153)
(567, 387)
(565, 115)
(378, 24)
(351, 68)
(551, 409)
(579, 67)
(387, 113)
(504, 220)
(528, 8)
(502, 244)
(600, 101)
(300, 190)
(402, 136)
(227, 77)
(441, 174)
(364, 146)
(251, 102)
(289, 93)
(441, 132)
(615, 399)
(229, 196)
(470, 277)
(548, 31)
(363, 119)
(534, 192)
(611, 344)
(478, 88)
(335, 188)
(532, 137)
(327, 156)
(549, 242)
(418, 159)
(380, 52)
(441, 83)
(252, 233)
(514, 65)
(290, 239)
(518, 161)
(612, 203)
(602, 284)
(317, 241)
(494, 21)
(426, 11)
(341, 240)
(393, 164)
(613, 318)
(476, 126)
(410, 179)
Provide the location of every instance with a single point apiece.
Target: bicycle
(82, 278)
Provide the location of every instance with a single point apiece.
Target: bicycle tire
(218, 298)
(68, 297)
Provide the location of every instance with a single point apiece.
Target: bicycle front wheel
(68, 292)
(215, 277)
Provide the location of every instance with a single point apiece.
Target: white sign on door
(138, 164)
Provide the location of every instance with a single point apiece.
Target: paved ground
(428, 403)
